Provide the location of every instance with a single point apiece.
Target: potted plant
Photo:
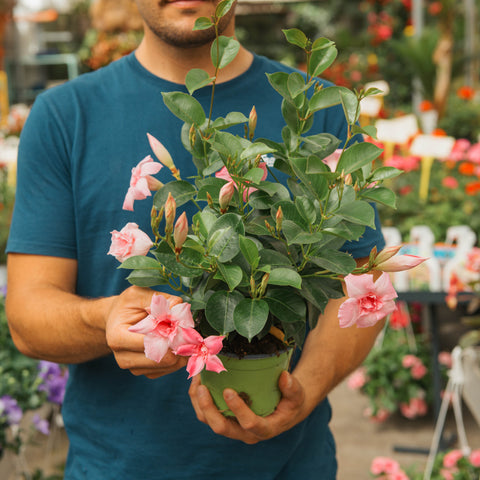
(259, 260)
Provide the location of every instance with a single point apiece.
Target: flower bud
(225, 196)
(192, 135)
(387, 253)
(163, 155)
(170, 211)
(252, 122)
(400, 263)
(279, 219)
(180, 232)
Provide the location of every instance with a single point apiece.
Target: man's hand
(249, 427)
(126, 310)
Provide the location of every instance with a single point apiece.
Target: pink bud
(279, 218)
(226, 194)
(400, 263)
(162, 154)
(387, 253)
(170, 211)
(181, 231)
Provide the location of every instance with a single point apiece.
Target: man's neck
(173, 63)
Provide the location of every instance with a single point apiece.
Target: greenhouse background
(424, 57)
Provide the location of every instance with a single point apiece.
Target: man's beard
(191, 39)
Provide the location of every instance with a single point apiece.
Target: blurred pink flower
(410, 360)
(400, 317)
(473, 155)
(381, 415)
(407, 163)
(381, 465)
(447, 474)
(357, 379)
(368, 301)
(473, 260)
(450, 182)
(202, 352)
(418, 371)
(445, 358)
(459, 150)
(141, 181)
(451, 458)
(475, 458)
(163, 326)
(129, 241)
(417, 407)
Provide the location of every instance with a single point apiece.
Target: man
(68, 303)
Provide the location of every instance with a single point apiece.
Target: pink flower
(451, 458)
(418, 371)
(368, 301)
(381, 415)
(459, 150)
(384, 465)
(357, 379)
(445, 358)
(223, 173)
(202, 352)
(473, 154)
(163, 326)
(399, 263)
(399, 318)
(450, 182)
(400, 475)
(407, 164)
(129, 241)
(409, 361)
(475, 458)
(332, 160)
(416, 408)
(141, 182)
(447, 474)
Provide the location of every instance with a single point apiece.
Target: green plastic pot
(253, 377)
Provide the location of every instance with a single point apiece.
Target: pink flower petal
(214, 364)
(195, 365)
(214, 343)
(155, 347)
(147, 325)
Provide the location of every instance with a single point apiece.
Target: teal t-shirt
(76, 153)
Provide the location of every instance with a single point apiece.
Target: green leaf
(232, 118)
(369, 130)
(357, 156)
(140, 262)
(231, 274)
(384, 173)
(205, 221)
(324, 98)
(351, 105)
(191, 269)
(296, 235)
(321, 59)
(286, 277)
(147, 278)
(276, 190)
(296, 84)
(196, 78)
(381, 195)
(185, 107)
(306, 208)
(296, 37)
(286, 305)
(212, 185)
(279, 82)
(220, 308)
(250, 317)
(181, 191)
(321, 43)
(318, 291)
(290, 115)
(202, 23)
(334, 261)
(223, 51)
(223, 241)
(227, 144)
(254, 150)
(250, 251)
(358, 212)
(223, 8)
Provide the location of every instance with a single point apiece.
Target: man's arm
(48, 320)
(329, 355)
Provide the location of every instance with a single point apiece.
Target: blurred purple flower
(3, 290)
(41, 424)
(54, 378)
(10, 409)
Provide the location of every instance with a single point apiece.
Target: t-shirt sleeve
(43, 221)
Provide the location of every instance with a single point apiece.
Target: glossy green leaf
(223, 51)
(306, 208)
(273, 258)
(321, 59)
(205, 221)
(254, 150)
(359, 212)
(196, 78)
(231, 274)
(381, 195)
(223, 241)
(185, 107)
(384, 173)
(351, 106)
(249, 250)
(223, 8)
(232, 118)
(181, 191)
(357, 156)
(296, 37)
(286, 277)
(324, 98)
(140, 262)
(147, 278)
(286, 305)
(334, 261)
(250, 317)
(219, 310)
(202, 23)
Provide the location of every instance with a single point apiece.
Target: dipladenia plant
(257, 254)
